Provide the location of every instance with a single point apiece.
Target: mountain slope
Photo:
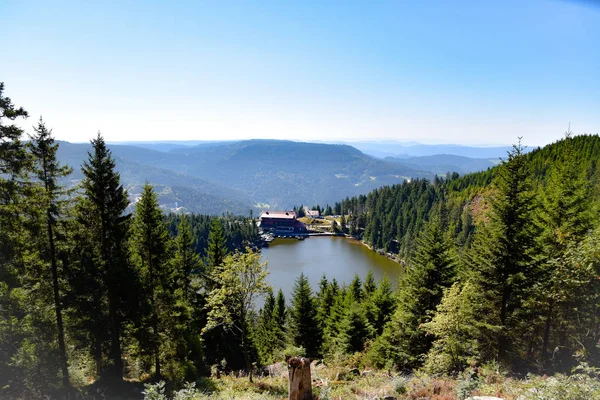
(283, 173)
(174, 189)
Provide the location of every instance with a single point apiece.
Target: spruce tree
(280, 313)
(217, 246)
(384, 302)
(105, 275)
(431, 270)
(149, 242)
(49, 172)
(267, 329)
(502, 259)
(565, 218)
(14, 247)
(304, 324)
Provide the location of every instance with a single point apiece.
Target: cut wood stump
(300, 380)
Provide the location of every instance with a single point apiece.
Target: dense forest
(501, 267)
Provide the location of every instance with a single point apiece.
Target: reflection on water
(336, 257)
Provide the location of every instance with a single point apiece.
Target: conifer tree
(421, 289)
(304, 322)
(565, 217)
(186, 260)
(149, 242)
(384, 303)
(369, 285)
(104, 278)
(217, 246)
(280, 313)
(502, 258)
(14, 173)
(49, 172)
(267, 330)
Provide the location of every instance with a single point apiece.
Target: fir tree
(304, 322)
(421, 289)
(49, 172)
(150, 241)
(217, 246)
(104, 275)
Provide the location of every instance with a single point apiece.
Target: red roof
(278, 214)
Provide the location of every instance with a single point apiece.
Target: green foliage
(456, 329)
(238, 281)
(303, 318)
(403, 341)
(102, 279)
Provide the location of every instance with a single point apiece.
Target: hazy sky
(469, 72)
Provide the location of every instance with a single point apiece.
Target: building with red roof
(281, 222)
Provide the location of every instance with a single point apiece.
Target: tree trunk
(300, 387)
(58, 307)
(115, 335)
(545, 355)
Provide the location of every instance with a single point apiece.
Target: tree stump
(300, 380)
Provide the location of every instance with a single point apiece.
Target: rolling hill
(218, 177)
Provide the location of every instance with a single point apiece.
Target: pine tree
(186, 260)
(104, 278)
(186, 318)
(565, 217)
(502, 258)
(369, 285)
(280, 313)
(49, 172)
(14, 247)
(267, 330)
(304, 322)
(149, 243)
(431, 270)
(384, 302)
(217, 246)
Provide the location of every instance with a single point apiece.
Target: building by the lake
(281, 222)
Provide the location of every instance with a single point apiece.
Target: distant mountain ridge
(220, 177)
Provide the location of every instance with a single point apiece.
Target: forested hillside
(509, 255)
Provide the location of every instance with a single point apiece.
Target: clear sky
(466, 72)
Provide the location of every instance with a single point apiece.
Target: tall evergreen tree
(502, 258)
(14, 172)
(217, 246)
(49, 172)
(105, 274)
(150, 241)
(565, 217)
(421, 289)
(280, 313)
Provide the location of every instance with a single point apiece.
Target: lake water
(336, 257)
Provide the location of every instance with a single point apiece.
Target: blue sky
(466, 72)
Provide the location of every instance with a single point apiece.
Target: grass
(379, 384)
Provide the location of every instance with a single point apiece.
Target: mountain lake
(336, 257)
